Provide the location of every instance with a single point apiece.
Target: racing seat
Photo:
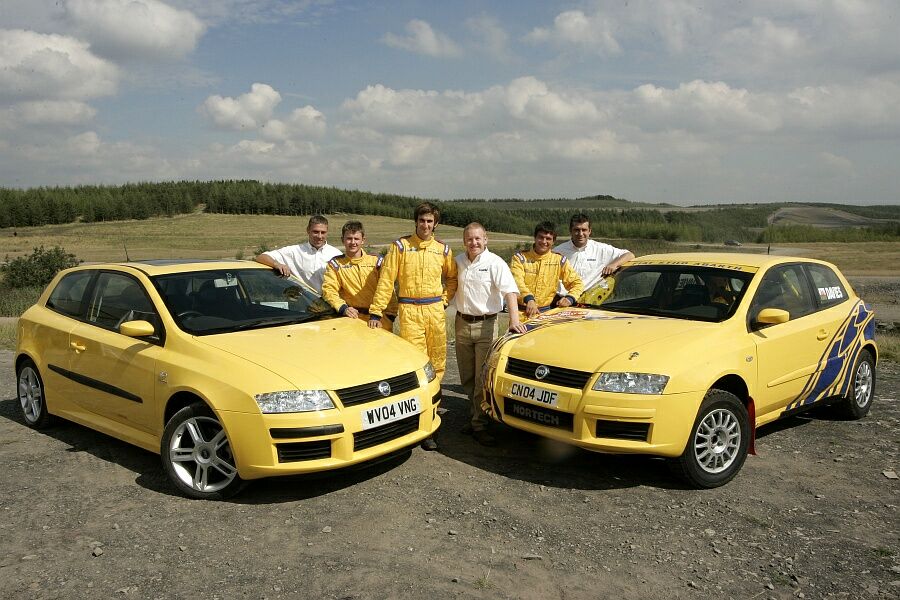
(219, 301)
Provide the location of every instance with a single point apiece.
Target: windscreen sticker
(695, 263)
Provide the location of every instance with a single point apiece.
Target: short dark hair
(317, 220)
(427, 208)
(545, 227)
(352, 227)
(579, 219)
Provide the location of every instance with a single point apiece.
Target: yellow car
(229, 372)
(686, 356)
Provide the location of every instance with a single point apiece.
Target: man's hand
(374, 324)
(531, 309)
(351, 312)
(515, 325)
(282, 270)
(564, 302)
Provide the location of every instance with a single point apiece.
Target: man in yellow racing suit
(539, 271)
(425, 271)
(351, 278)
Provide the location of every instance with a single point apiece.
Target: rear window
(68, 295)
(829, 290)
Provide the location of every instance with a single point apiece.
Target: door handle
(821, 335)
(78, 347)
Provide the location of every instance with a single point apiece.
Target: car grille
(558, 375)
(621, 430)
(298, 451)
(385, 433)
(538, 414)
(368, 392)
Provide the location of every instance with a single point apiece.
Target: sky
(680, 101)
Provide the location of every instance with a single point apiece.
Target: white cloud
(712, 107)
(531, 99)
(303, 122)
(414, 111)
(51, 112)
(575, 28)
(410, 150)
(247, 111)
(135, 29)
(422, 39)
(36, 66)
(491, 37)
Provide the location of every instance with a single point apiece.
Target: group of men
(419, 278)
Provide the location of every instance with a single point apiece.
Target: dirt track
(813, 515)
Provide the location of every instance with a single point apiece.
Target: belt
(407, 300)
(474, 318)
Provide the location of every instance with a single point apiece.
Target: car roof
(164, 266)
(744, 260)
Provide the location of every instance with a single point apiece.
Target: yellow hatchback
(226, 370)
(685, 355)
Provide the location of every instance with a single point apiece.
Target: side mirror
(136, 329)
(771, 316)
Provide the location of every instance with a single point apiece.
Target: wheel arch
(870, 346)
(179, 400)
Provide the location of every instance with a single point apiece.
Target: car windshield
(694, 292)
(206, 302)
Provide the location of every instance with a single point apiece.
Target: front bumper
(267, 445)
(599, 421)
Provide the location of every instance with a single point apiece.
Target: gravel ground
(813, 515)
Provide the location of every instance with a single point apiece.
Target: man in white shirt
(305, 261)
(592, 260)
(485, 282)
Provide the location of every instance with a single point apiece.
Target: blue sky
(680, 101)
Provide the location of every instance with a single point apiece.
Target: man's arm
(517, 267)
(512, 306)
(269, 261)
(331, 291)
(572, 283)
(451, 278)
(385, 288)
(614, 265)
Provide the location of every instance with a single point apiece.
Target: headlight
(294, 401)
(429, 372)
(631, 383)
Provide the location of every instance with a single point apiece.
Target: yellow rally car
(684, 355)
(228, 371)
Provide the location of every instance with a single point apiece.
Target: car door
(68, 302)
(117, 373)
(788, 354)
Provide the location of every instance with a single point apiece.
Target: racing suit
(539, 275)
(426, 275)
(351, 282)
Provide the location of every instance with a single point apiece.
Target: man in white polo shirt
(592, 260)
(485, 281)
(305, 261)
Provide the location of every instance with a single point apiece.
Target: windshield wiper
(272, 322)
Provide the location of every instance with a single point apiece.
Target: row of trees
(43, 206)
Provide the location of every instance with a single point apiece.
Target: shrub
(36, 269)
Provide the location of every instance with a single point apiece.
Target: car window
(207, 302)
(695, 292)
(784, 287)
(119, 298)
(828, 288)
(68, 295)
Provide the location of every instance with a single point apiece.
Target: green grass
(14, 301)
(888, 346)
(7, 336)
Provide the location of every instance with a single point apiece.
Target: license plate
(534, 394)
(382, 415)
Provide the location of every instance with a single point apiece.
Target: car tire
(197, 456)
(30, 392)
(717, 447)
(858, 401)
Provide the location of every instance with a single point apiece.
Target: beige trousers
(473, 342)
